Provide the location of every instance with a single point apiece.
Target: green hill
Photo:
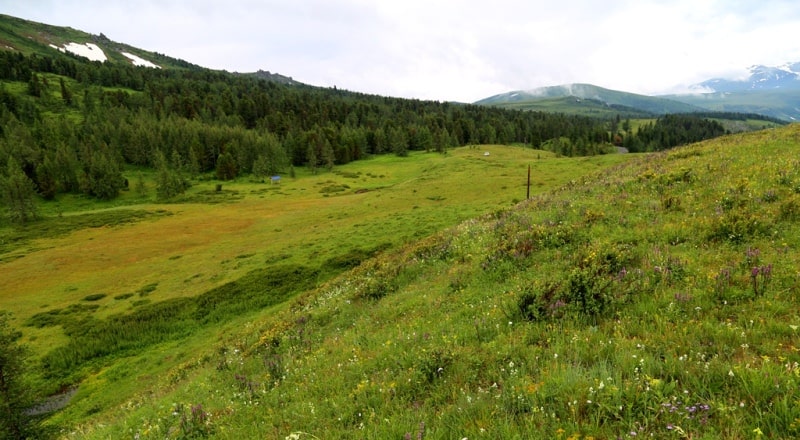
(771, 107)
(32, 38)
(615, 101)
(657, 298)
(585, 107)
(780, 104)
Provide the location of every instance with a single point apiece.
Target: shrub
(94, 297)
(736, 226)
(535, 304)
(148, 289)
(589, 291)
(790, 209)
(376, 288)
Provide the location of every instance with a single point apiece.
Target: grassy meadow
(649, 295)
(83, 247)
(99, 285)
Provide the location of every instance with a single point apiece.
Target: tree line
(671, 131)
(72, 126)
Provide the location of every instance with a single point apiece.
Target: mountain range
(785, 77)
(769, 91)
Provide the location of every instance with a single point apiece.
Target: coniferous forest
(76, 124)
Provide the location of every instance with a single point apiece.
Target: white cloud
(448, 49)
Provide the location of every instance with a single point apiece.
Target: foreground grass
(655, 299)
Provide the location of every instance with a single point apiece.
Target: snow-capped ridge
(761, 77)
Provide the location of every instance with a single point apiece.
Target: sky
(448, 50)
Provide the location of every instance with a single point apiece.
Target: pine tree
(226, 167)
(18, 193)
(66, 94)
(193, 164)
(140, 187)
(46, 179)
(398, 142)
(16, 397)
(35, 86)
(65, 165)
(327, 155)
(311, 156)
(169, 178)
(260, 168)
(102, 178)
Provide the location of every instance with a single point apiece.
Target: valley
(191, 253)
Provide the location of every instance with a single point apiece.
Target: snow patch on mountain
(88, 50)
(138, 61)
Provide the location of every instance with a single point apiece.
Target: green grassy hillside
(32, 38)
(178, 275)
(780, 104)
(577, 93)
(584, 107)
(655, 298)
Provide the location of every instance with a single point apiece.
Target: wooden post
(528, 193)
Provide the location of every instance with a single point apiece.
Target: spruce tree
(46, 179)
(103, 177)
(18, 193)
(260, 168)
(169, 179)
(226, 167)
(16, 397)
(66, 94)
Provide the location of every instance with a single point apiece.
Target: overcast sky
(446, 49)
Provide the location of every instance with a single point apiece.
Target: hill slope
(655, 299)
(28, 37)
(780, 104)
(648, 105)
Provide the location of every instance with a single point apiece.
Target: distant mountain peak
(783, 77)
